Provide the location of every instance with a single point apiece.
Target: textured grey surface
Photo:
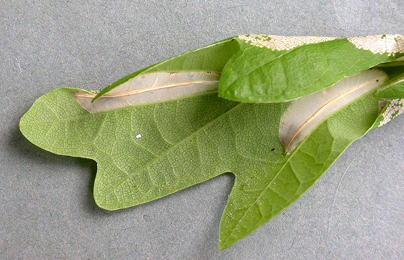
(46, 206)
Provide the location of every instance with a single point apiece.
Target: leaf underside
(160, 146)
(146, 152)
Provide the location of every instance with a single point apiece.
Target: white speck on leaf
(138, 136)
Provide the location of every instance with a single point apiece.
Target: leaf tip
(224, 246)
(96, 97)
(226, 241)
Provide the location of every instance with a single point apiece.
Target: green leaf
(257, 198)
(149, 151)
(210, 58)
(261, 68)
(280, 69)
(161, 130)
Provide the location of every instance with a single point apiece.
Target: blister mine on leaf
(307, 113)
(152, 88)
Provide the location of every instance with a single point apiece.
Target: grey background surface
(46, 206)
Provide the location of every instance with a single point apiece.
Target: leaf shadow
(208, 247)
(19, 147)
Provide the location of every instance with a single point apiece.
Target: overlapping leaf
(280, 69)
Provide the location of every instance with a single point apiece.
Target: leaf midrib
(151, 162)
(259, 197)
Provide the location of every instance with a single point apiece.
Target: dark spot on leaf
(273, 149)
